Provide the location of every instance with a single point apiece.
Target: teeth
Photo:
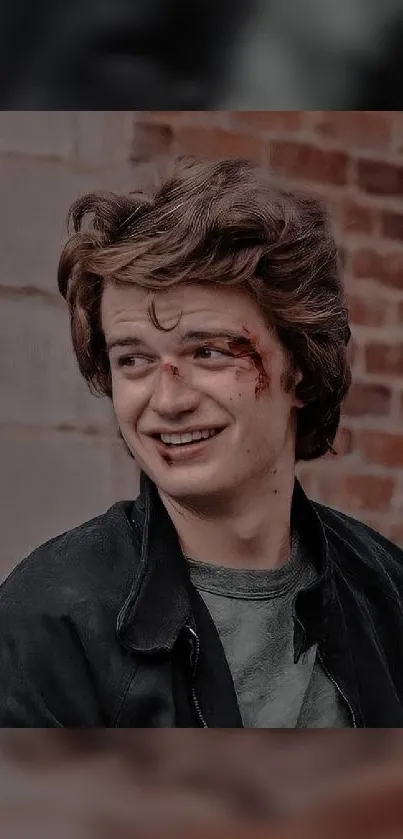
(178, 439)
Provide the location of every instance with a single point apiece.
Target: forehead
(193, 306)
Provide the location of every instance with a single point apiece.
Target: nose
(172, 396)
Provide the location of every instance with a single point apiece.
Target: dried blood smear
(242, 347)
(248, 348)
(170, 368)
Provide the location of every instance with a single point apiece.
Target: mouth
(177, 447)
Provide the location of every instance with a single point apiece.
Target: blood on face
(247, 346)
(170, 368)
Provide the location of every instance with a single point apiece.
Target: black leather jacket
(101, 627)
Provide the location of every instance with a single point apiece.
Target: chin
(188, 486)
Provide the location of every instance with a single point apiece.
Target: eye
(210, 353)
(132, 361)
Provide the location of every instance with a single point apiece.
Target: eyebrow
(187, 338)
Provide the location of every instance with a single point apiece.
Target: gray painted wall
(61, 460)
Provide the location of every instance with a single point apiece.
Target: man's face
(219, 370)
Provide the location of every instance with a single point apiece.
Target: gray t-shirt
(252, 611)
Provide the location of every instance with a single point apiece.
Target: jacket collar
(313, 605)
(158, 605)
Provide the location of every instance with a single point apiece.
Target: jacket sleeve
(45, 680)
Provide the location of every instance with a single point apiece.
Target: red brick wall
(355, 161)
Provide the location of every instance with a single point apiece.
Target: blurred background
(62, 461)
(220, 785)
(226, 54)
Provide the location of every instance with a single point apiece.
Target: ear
(298, 403)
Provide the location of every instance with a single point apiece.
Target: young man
(210, 311)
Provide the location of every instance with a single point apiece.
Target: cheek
(126, 402)
(253, 374)
(253, 382)
(235, 387)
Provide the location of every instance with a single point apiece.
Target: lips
(187, 437)
(175, 453)
(159, 431)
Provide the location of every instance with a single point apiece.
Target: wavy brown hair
(218, 222)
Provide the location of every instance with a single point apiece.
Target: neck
(251, 531)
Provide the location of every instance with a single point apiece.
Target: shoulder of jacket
(365, 541)
(84, 560)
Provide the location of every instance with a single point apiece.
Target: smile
(188, 437)
(176, 448)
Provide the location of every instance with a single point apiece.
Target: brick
(384, 358)
(356, 492)
(357, 218)
(39, 378)
(380, 447)
(306, 161)
(379, 177)
(38, 133)
(368, 491)
(342, 444)
(392, 225)
(359, 129)
(306, 475)
(364, 399)
(150, 140)
(368, 309)
(385, 267)
(59, 480)
(268, 121)
(217, 142)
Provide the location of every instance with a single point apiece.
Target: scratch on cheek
(248, 347)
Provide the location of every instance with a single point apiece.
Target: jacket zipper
(337, 686)
(195, 657)
(195, 651)
(329, 675)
